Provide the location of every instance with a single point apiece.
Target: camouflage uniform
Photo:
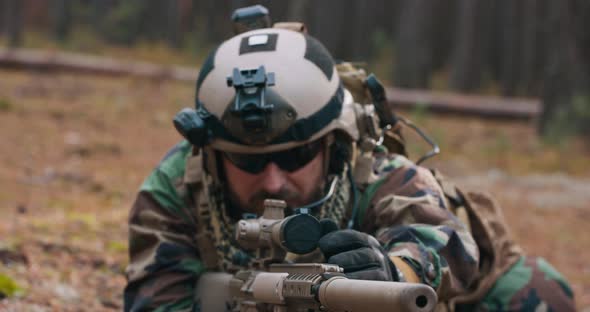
(404, 206)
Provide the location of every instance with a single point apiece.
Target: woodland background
(532, 48)
(75, 147)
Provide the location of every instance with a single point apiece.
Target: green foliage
(581, 112)
(417, 146)
(87, 221)
(497, 146)
(117, 247)
(197, 47)
(82, 39)
(382, 56)
(420, 112)
(122, 23)
(8, 287)
(5, 105)
(569, 120)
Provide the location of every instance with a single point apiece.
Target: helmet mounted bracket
(250, 99)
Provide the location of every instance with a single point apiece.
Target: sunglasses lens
(289, 160)
(296, 158)
(251, 163)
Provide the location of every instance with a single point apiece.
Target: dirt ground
(75, 150)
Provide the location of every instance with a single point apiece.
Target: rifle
(271, 285)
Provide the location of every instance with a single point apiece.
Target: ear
(339, 154)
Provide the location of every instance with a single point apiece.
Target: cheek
(309, 178)
(240, 182)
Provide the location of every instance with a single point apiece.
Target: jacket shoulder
(395, 175)
(165, 183)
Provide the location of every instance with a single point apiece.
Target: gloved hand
(359, 254)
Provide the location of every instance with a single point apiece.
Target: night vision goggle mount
(249, 108)
(249, 104)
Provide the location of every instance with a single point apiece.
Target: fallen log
(469, 105)
(462, 104)
(86, 64)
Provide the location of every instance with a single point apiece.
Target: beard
(255, 204)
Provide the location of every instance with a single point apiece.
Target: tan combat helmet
(269, 90)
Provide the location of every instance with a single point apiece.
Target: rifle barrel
(341, 294)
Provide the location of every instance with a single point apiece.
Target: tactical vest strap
(193, 177)
(205, 239)
(193, 174)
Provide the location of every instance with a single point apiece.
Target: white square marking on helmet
(257, 40)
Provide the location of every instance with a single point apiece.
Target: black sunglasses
(289, 160)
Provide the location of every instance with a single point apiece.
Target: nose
(273, 178)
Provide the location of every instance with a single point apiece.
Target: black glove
(359, 254)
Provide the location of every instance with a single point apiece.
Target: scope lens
(301, 233)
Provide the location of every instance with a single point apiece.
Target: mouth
(294, 200)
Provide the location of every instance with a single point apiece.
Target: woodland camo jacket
(405, 208)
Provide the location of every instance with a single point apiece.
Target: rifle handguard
(331, 291)
(310, 286)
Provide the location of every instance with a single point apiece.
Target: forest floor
(76, 148)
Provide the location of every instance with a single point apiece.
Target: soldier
(274, 120)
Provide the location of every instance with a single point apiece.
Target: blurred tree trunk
(470, 45)
(566, 96)
(174, 35)
(218, 20)
(297, 9)
(582, 25)
(331, 29)
(362, 24)
(13, 19)
(3, 9)
(529, 40)
(152, 19)
(509, 22)
(517, 48)
(193, 15)
(63, 19)
(186, 17)
(444, 31)
(100, 9)
(196, 17)
(414, 43)
(386, 16)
